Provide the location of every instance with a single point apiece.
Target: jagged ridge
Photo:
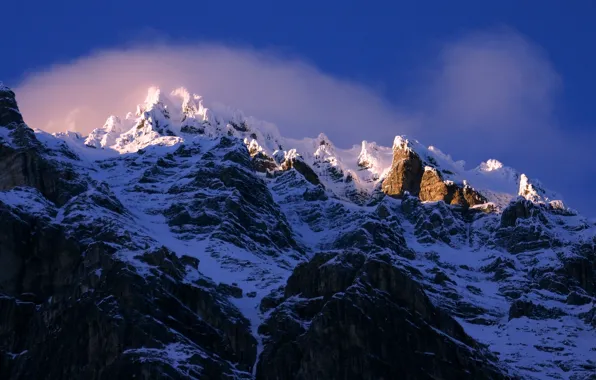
(177, 192)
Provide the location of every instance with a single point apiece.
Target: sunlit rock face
(189, 241)
(406, 171)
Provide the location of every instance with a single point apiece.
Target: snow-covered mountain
(187, 240)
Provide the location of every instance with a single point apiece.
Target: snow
(5, 138)
(3, 87)
(366, 165)
(27, 200)
(316, 225)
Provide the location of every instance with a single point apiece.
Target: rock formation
(184, 244)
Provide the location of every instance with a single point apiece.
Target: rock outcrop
(347, 316)
(227, 251)
(407, 174)
(301, 167)
(23, 161)
(85, 295)
(406, 171)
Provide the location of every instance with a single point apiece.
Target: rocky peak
(196, 245)
(534, 191)
(406, 170)
(9, 111)
(293, 160)
(192, 104)
(107, 135)
(367, 158)
(23, 159)
(324, 150)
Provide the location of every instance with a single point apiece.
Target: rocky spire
(9, 111)
(406, 170)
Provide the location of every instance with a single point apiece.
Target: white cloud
(300, 99)
(488, 95)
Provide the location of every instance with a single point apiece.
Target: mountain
(185, 241)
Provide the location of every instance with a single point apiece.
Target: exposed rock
(406, 171)
(524, 227)
(89, 287)
(10, 116)
(590, 317)
(22, 163)
(582, 270)
(472, 197)
(262, 162)
(575, 298)
(326, 333)
(231, 290)
(302, 168)
(522, 308)
(521, 209)
(434, 188)
(90, 315)
(315, 194)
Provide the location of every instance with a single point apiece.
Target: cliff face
(184, 244)
(408, 174)
(406, 171)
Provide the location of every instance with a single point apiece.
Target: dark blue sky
(379, 43)
(383, 44)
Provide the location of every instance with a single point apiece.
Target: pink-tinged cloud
(486, 95)
(296, 96)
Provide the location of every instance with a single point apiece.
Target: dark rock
(272, 300)
(263, 163)
(193, 262)
(522, 308)
(441, 278)
(230, 290)
(521, 209)
(192, 130)
(96, 316)
(590, 317)
(9, 111)
(582, 270)
(315, 194)
(401, 334)
(375, 236)
(302, 168)
(23, 163)
(575, 298)
(240, 126)
(472, 197)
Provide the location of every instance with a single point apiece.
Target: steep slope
(194, 242)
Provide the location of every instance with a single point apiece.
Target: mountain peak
(9, 111)
(4, 88)
(402, 143)
(180, 115)
(491, 165)
(154, 95)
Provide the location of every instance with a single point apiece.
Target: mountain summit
(187, 240)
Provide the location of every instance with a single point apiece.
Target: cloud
(296, 96)
(494, 94)
(483, 95)
(492, 86)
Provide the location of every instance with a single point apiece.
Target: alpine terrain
(190, 242)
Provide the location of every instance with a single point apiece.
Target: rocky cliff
(182, 243)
